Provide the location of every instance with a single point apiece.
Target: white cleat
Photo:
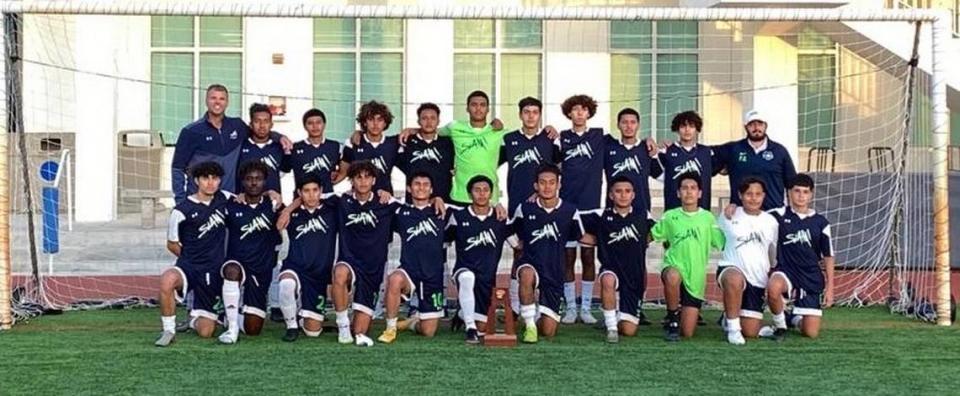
(735, 338)
(344, 337)
(165, 339)
(364, 341)
(587, 317)
(228, 337)
(766, 332)
(569, 316)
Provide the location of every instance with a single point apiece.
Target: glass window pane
(631, 85)
(810, 39)
(226, 70)
(221, 32)
(473, 34)
(381, 33)
(631, 34)
(520, 78)
(334, 33)
(471, 72)
(922, 135)
(171, 31)
(171, 94)
(381, 79)
(817, 94)
(522, 34)
(334, 92)
(677, 34)
(677, 89)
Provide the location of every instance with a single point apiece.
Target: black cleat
(643, 321)
(456, 323)
(472, 337)
(779, 335)
(276, 315)
(291, 335)
(183, 326)
(700, 321)
(672, 333)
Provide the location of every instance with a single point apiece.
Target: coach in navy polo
(758, 156)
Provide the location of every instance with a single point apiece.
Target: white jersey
(749, 243)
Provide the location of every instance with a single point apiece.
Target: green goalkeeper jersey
(477, 153)
(691, 236)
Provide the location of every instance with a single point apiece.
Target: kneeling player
(621, 233)
(479, 237)
(196, 234)
(691, 232)
(804, 256)
(751, 236)
(251, 253)
(544, 227)
(422, 259)
(312, 232)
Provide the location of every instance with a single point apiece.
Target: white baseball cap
(753, 115)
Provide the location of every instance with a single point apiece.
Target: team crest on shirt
(362, 218)
(580, 150)
(692, 165)
(742, 157)
(768, 155)
(313, 225)
(629, 164)
(215, 220)
(802, 236)
(317, 164)
(625, 234)
(528, 156)
(548, 231)
(428, 154)
(484, 238)
(259, 223)
(425, 227)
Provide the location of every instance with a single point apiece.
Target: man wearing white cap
(760, 157)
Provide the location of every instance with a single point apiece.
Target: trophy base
(500, 340)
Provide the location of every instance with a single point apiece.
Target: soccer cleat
(344, 337)
(530, 335)
(569, 316)
(672, 331)
(765, 332)
(276, 315)
(735, 338)
(228, 337)
(166, 338)
(184, 326)
(472, 337)
(363, 341)
(643, 321)
(388, 336)
(779, 335)
(291, 335)
(613, 337)
(587, 317)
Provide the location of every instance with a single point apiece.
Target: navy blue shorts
(752, 300)
(312, 287)
(365, 287)
(551, 294)
(805, 301)
(630, 287)
(207, 288)
(482, 291)
(256, 285)
(430, 294)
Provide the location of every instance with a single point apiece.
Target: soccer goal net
(96, 94)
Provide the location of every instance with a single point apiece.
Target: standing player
(305, 274)
(422, 259)
(544, 228)
(621, 232)
(196, 235)
(479, 237)
(804, 263)
(428, 152)
(316, 155)
(261, 147)
(691, 232)
(757, 155)
(381, 151)
(687, 156)
(251, 252)
(630, 157)
(751, 236)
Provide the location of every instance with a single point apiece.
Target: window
(355, 61)
(503, 59)
(187, 55)
(816, 89)
(653, 68)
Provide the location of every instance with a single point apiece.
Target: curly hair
(584, 101)
(358, 168)
(688, 117)
(371, 109)
(254, 166)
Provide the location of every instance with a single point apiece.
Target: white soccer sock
(733, 325)
(343, 321)
(465, 294)
(273, 293)
(780, 321)
(795, 320)
(169, 323)
(288, 302)
(515, 295)
(570, 295)
(529, 313)
(231, 304)
(610, 319)
(586, 297)
(392, 323)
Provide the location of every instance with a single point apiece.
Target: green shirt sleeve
(445, 130)
(717, 239)
(659, 230)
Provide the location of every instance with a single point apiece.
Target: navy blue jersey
(201, 229)
(253, 236)
(434, 157)
(421, 232)
(319, 160)
(676, 161)
(366, 229)
(803, 242)
(523, 155)
(200, 142)
(582, 155)
(772, 165)
(479, 242)
(383, 156)
(313, 238)
(635, 164)
(270, 154)
(544, 235)
(621, 240)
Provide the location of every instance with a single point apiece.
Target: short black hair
(745, 184)
(801, 180)
(548, 168)
(217, 87)
(314, 113)
(688, 117)
(689, 176)
(259, 108)
(307, 179)
(206, 169)
(628, 111)
(530, 101)
(478, 93)
(621, 179)
(254, 166)
(478, 179)
(419, 174)
(358, 168)
(428, 106)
